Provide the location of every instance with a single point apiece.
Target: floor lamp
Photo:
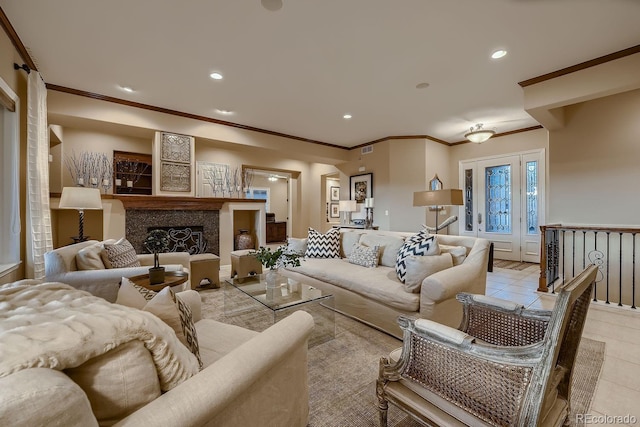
(80, 198)
(437, 198)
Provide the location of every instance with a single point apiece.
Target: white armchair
(60, 266)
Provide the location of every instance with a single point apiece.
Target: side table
(171, 278)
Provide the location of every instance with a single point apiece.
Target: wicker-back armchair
(505, 365)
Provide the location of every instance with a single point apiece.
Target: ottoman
(244, 264)
(204, 266)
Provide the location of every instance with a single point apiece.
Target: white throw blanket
(54, 325)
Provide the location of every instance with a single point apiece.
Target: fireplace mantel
(177, 203)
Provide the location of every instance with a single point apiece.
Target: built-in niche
(133, 173)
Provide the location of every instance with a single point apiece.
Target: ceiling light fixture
(224, 112)
(127, 89)
(500, 53)
(347, 116)
(272, 5)
(216, 76)
(478, 134)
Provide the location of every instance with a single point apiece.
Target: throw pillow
(323, 245)
(174, 312)
(421, 267)
(364, 255)
(165, 305)
(458, 253)
(420, 244)
(296, 246)
(89, 258)
(132, 295)
(389, 246)
(120, 254)
(348, 238)
(118, 382)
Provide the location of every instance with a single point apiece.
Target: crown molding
(17, 43)
(587, 64)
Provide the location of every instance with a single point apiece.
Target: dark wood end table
(171, 278)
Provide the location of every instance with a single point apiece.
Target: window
(9, 175)
(259, 194)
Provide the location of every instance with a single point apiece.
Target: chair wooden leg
(383, 405)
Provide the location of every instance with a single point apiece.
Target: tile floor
(618, 391)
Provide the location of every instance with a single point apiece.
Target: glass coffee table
(254, 305)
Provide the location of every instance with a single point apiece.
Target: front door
(502, 203)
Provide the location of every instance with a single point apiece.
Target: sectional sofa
(131, 370)
(377, 297)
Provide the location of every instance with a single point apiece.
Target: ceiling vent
(366, 150)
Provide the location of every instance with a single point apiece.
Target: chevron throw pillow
(420, 244)
(323, 245)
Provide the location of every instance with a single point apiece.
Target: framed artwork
(175, 148)
(361, 187)
(175, 177)
(335, 194)
(334, 211)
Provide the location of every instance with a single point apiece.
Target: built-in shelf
(132, 173)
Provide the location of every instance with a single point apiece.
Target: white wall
(594, 163)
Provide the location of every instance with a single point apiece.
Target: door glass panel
(468, 199)
(498, 194)
(532, 197)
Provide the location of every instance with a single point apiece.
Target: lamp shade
(347, 206)
(80, 198)
(448, 197)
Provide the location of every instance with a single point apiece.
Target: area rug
(342, 371)
(513, 265)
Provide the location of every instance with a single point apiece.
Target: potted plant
(157, 241)
(274, 260)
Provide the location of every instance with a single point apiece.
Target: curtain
(39, 237)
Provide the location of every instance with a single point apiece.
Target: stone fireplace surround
(215, 215)
(144, 212)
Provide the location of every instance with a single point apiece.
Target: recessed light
(347, 116)
(225, 112)
(126, 89)
(216, 76)
(422, 85)
(498, 54)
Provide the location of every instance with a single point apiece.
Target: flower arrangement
(278, 258)
(157, 241)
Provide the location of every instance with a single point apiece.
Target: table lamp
(448, 197)
(347, 206)
(80, 198)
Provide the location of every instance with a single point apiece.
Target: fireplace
(139, 222)
(185, 239)
(215, 216)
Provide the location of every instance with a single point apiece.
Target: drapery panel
(39, 236)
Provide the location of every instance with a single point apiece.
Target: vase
(156, 275)
(244, 240)
(271, 278)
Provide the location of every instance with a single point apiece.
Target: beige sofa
(376, 296)
(249, 378)
(60, 266)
